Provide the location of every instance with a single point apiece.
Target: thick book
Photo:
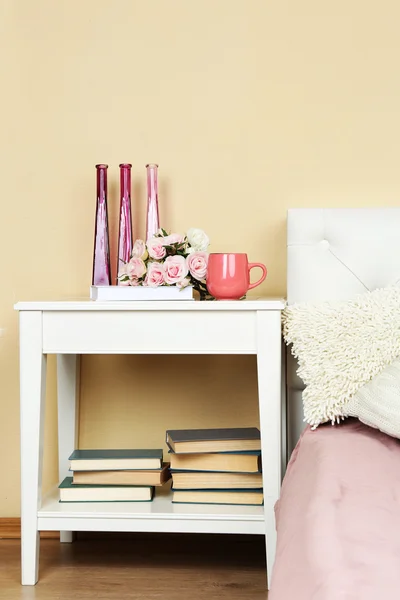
(196, 480)
(214, 440)
(98, 493)
(243, 462)
(117, 293)
(248, 497)
(111, 460)
(150, 477)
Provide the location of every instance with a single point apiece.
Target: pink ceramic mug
(228, 276)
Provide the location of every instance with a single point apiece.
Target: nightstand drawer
(150, 332)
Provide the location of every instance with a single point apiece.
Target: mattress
(338, 517)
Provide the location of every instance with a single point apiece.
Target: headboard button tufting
(324, 244)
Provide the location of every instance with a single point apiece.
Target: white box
(116, 293)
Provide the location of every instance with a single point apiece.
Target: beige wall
(249, 107)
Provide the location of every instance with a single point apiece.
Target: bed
(338, 517)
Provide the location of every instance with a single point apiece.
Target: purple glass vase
(152, 224)
(125, 241)
(101, 254)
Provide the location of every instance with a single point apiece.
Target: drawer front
(149, 332)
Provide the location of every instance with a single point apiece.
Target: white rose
(198, 239)
(139, 250)
(123, 276)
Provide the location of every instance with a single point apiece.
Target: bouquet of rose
(169, 259)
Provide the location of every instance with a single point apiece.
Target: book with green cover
(111, 460)
(213, 440)
(103, 493)
(253, 497)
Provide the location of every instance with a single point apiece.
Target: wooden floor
(151, 567)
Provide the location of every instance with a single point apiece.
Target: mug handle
(263, 276)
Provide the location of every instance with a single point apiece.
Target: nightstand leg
(32, 397)
(269, 363)
(68, 372)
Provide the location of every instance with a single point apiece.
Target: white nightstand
(70, 329)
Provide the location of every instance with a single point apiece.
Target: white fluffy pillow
(377, 403)
(340, 347)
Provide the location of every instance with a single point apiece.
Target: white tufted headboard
(334, 254)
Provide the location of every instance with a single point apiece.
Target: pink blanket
(338, 518)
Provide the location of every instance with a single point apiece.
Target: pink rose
(184, 283)
(135, 268)
(197, 264)
(176, 269)
(139, 249)
(155, 274)
(156, 248)
(174, 238)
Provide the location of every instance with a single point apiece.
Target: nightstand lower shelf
(160, 515)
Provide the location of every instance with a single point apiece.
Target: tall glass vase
(101, 274)
(125, 241)
(152, 224)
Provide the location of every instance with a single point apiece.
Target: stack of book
(216, 466)
(114, 476)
